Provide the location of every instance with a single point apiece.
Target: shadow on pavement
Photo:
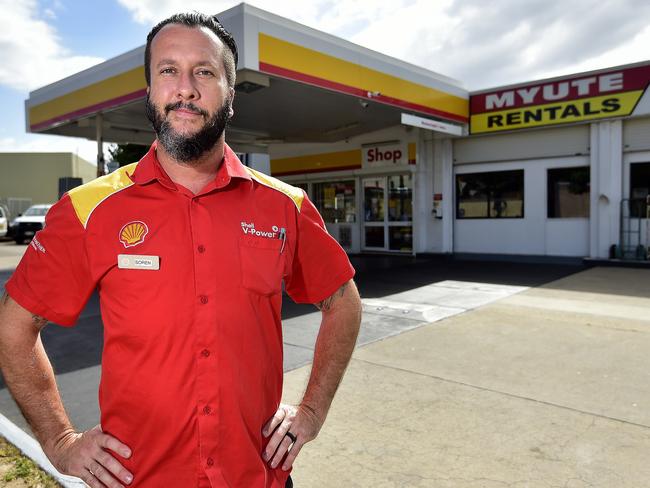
(78, 347)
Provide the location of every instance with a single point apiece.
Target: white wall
(532, 144)
(535, 234)
(636, 134)
(424, 225)
(606, 161)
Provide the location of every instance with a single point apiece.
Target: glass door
(388, 213)
(336, 202)
(374, 202)
(400, 213)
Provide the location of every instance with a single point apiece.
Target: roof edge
(559, 78)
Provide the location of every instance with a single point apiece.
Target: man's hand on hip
(290, 428)
(86, 455)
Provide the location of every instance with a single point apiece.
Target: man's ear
(231, 112)
(148, 90)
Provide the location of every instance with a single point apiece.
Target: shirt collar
(149, 169)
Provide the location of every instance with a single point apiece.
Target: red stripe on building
(358, 92)
(114, 102)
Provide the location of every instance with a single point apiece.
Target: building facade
(403, 160)
(33, 178)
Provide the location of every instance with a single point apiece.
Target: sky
(482, 43)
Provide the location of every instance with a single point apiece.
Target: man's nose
(186, 88)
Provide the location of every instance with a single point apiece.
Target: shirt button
(209, 461)
(207, 410)
(205, 353)
(201, 248)
(204, 299)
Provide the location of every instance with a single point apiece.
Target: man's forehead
(174, 34)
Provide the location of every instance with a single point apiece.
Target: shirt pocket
(261, 264)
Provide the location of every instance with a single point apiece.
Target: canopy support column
(99, 126)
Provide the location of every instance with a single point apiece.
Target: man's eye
(167, 70)
(205, 72)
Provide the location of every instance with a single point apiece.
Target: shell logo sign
(133, 233)
(591, 96)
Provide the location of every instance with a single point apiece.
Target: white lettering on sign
(556, 92)
(583, 85)
(528, 94)
(506, 99)
(551, 92)
(610, 82)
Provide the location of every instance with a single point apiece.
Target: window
(335, 201)
(568, 193)
(494, 195)
(373, 197)
(639, 188)
(400, 198)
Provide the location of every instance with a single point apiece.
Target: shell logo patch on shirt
(133, 233)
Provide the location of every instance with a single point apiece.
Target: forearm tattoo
(38, 321)
(326, 304)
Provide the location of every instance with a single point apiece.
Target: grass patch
(15, 466)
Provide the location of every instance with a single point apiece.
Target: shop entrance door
(388, 213)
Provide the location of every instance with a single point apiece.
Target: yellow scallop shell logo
(133, 233)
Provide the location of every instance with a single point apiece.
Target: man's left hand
(301, 421)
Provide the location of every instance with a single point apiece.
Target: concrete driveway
(545, 388)
(467, 374)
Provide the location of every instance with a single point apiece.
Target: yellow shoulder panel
(292, 192)
(86, 198)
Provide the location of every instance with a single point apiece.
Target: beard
(188, 148)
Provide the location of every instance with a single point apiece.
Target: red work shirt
(192, 359)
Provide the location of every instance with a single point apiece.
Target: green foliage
(127, 153)
(23, 468)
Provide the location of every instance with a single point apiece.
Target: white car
(4, 221)
(26, 225)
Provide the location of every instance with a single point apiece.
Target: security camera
(363, 103)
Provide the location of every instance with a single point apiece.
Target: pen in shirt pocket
(282, 235)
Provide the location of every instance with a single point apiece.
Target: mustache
(186, 106)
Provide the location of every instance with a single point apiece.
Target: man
(188, 249)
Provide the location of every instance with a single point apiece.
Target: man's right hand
(87, 455)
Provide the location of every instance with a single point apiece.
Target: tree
(127, 153)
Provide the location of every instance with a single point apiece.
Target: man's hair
(196, 19)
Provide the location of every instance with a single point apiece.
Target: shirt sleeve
(53, 278)
(320, 265)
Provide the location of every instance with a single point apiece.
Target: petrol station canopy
(294, 84)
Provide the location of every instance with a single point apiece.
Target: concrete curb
(32, 450)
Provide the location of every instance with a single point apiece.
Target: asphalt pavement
(466, 374)
(75, 352)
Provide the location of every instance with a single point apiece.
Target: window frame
(549, 200)
(488, 191)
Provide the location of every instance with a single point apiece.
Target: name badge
(134, 261)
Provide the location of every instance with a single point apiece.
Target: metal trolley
(633, 212)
